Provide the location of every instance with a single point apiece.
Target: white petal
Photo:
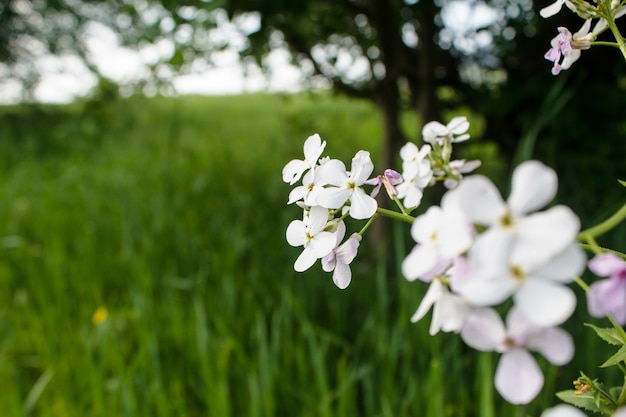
(348, 250)
(425, 226)
(483, 330)
(543, 235)
(419, 261)
(413, 196)
(293, 170)
(333, 172)
(487, 291)
(333, 197)
(342, 275)
(555, 344)
(434, 293)
(322, 244)
(455, 234)
(480, 200)
(565, 266)
(408, 152)
(434, 129)
(552, 9)
(518, 377)
(566, 410)
(362, 167)
(533, 187)
(297, 193)
(362, 206)
(296, 233)
(545, 303)
(318, 218)
(329, 262)
(449, 314)
(313, 148)
(305, 260)
(458, 125)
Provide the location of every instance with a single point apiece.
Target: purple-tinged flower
(339, 259)
(518, 377)
(568, 46)
(389, 179)
(608, 296)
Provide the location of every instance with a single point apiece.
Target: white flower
(416, 172)
(313, 148)
(442, 233)
(458, 168)
(564, 410)
(449, 310)
(311, 186)
(528, 257)
(346, 186)
(455, 131)
(310, 233)
(339, 259)
(518, 377)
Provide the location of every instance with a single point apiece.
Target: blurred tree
(486, 54)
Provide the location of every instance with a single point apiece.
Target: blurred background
(143, 265)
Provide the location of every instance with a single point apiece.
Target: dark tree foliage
(406, 50)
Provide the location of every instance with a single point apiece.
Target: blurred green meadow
(144, 272)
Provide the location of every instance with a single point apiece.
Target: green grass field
(171, 215)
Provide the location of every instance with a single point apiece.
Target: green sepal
(609, 335)
(619, 357)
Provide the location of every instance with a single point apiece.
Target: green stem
(368, 224)
(605, 43)
(599, 249)
(395, 215)
(606, 225)
(616, 33)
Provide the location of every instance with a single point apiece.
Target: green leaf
(615, 359)
(622, 182)
(609, 335)
(588, 401)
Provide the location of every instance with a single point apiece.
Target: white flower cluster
(476, 250)
(329, 193)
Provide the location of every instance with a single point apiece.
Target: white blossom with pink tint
(518, 377)
(339, 259)
(608, 296)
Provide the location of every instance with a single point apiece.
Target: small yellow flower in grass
(100, 315)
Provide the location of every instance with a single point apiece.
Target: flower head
(339, 259)
(568, 46)
(518, 377)
(389, 179)
(313, 148)
(608, 296)
(346, 186)
(455, 131)
(310, 234)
